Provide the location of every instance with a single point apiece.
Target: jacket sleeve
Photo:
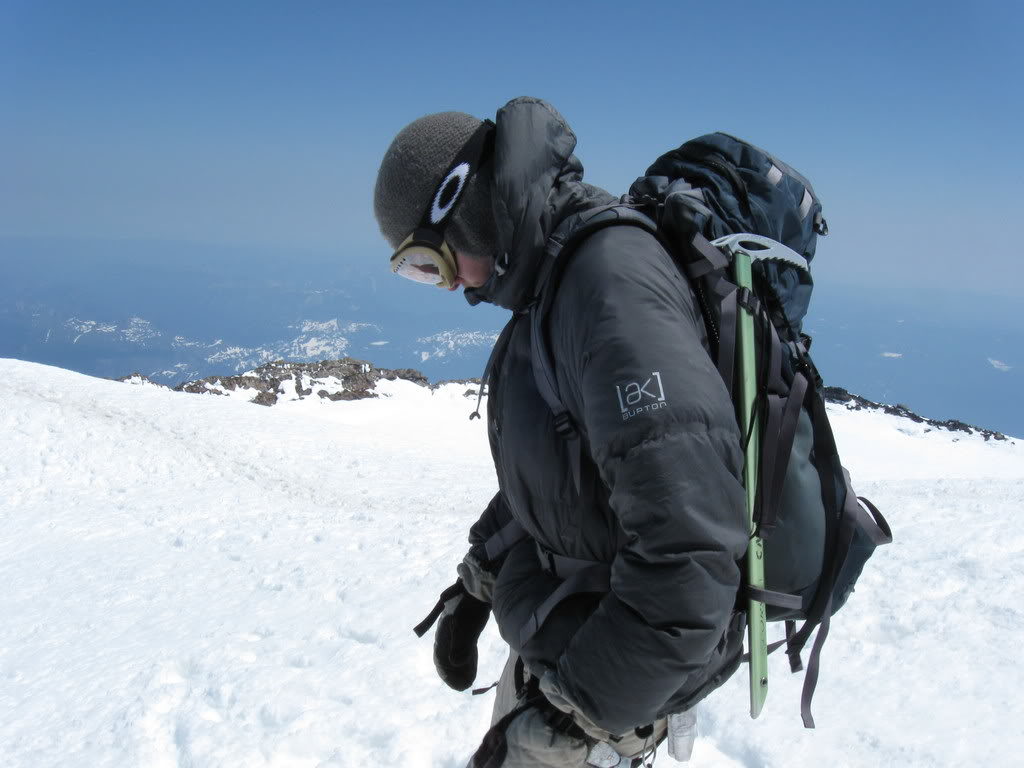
(492, 520)
(476, 571)
(627, 342)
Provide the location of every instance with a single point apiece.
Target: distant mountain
(176, 312)
(182, 311)
(171, 359)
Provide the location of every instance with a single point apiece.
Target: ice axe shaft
(757, 635)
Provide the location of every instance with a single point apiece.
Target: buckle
(746, 299)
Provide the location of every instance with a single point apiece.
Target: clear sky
(263, 123)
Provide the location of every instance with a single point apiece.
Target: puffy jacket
(667, 512)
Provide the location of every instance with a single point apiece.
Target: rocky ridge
(352, 379)
(343, 379)
(854, 402)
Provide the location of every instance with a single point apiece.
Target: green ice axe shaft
(756, 631)
(743, 248)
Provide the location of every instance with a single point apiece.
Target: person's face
(472, 272)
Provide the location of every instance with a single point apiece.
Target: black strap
(454, 590)
(497, 351)
(583, 474)
(562, 566)
(772, 647)
(827, 464)
(771, 597)
(595, 578)
(471, 157)
(777, 447)
(813, 664)
(873, 524)
(710, 259)
(544, 374)
(559, 721)
(775, 405)
(544, 377)
(795, 662)
(519, 677)
(494, 748)
(840, 524)
(728, 323)
(507, 537)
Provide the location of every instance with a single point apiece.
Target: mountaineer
(650, 489)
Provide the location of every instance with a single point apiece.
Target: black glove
(462, 619)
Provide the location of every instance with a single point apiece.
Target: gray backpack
(717, 190)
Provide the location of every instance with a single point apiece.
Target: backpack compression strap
(842, 523)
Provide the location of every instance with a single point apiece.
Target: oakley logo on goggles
(424, 256)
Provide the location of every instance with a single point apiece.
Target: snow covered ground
(194, 581)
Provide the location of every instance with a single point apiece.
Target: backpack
(711, 198)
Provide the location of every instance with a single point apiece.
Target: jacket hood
(538, 183)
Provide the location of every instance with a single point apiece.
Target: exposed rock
(344, 379)
(856, 403)
(265, 398)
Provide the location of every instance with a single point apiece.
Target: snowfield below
(196, 581)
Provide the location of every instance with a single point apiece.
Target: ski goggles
(424, 256)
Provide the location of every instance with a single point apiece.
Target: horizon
(883, 344)
(254, 132)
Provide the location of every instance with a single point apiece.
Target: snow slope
(197, 581)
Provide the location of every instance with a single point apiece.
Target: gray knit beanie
(410, 173)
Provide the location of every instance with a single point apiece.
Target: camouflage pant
(532, 743)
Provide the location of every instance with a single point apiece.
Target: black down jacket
(668, 512)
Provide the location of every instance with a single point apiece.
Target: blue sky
(263, 123)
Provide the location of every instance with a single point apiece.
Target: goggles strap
(475, 153)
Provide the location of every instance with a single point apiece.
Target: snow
(316, 348)
(181, 342)
(243, 394)
(138, 331)
(313, 326)
(286, 391)
(82, 327)
(141, 381)
(198, 581)
(447, 343)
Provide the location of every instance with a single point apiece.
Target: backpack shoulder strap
(618, 214)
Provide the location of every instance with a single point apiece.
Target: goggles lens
(425, 264)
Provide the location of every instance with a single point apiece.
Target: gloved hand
(455, 655)
(463, 610)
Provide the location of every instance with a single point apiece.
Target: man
(610, 554)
